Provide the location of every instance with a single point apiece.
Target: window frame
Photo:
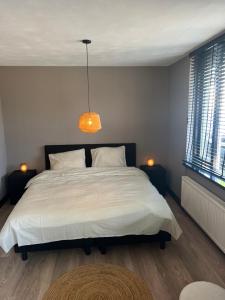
(194, 131)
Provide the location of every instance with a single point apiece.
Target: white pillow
(108, 157)
(66, 160)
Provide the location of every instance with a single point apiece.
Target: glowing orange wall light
(23, 167)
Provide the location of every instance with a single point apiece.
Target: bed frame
(101, 243)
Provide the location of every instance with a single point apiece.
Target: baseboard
(3, 200)
(174, 195)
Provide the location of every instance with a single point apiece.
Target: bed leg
(24, 255)
(162, 244)
(87, 247)
(87, 250)
(162, 240)
(102, 249)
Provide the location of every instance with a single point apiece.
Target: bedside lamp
(150, 162)
(23, 167)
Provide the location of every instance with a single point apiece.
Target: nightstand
(157, 176)
(16, 183)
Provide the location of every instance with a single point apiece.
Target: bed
(90, 207)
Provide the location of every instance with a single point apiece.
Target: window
(205, 147)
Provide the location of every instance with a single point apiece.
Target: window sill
(209, 177)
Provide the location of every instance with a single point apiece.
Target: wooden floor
(193, 257)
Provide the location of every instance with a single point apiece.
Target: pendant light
(89, 121)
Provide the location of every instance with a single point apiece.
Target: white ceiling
(124, 32)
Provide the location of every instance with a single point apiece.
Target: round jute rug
(98, 282)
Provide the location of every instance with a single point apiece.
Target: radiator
(206, 209)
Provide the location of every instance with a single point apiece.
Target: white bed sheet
(87, 203)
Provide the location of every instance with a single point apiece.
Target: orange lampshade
(90, 122)
(23, 167)
(150, 162)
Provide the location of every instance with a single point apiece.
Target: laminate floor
(193, 257)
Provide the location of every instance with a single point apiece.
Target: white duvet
(87, 203)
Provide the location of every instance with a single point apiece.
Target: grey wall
(178, 103)
(178, 108)
(3, 158)
(42, 106)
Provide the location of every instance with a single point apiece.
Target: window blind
(205, 146)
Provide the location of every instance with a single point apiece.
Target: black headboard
(130, 151)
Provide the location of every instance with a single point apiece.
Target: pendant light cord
(88, 84)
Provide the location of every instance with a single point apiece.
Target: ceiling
(124, 32)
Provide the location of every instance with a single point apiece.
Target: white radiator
(206, 209)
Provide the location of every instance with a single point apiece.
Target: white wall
(3, 158)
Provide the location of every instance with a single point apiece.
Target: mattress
(87, 203)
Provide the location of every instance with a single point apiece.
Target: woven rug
(98, 282)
